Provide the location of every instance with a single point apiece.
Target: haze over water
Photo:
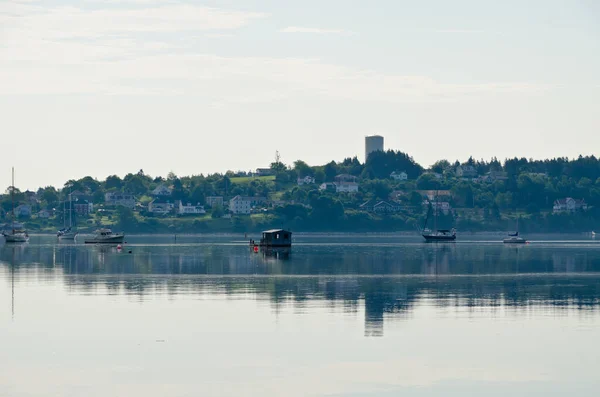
(338, 316)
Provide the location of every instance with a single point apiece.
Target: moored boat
(436, 234)
(105, 236)
(16, 236)
(67, 233)
(514, 238)
(439, 235)
(275, 238)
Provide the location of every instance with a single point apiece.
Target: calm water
(338, 316)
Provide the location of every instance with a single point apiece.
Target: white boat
(67, 233)
(105, 236)
(17, 234)
(513, 238)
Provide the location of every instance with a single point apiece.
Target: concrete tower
(373, 143)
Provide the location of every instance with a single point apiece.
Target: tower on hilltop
(372, 144)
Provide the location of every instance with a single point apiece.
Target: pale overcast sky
(101, 87)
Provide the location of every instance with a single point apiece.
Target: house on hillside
(160, 207)
(264, 172)
(380, 206)
(244, 204)
(466, 172)
(118, 198)
(189, 209)
(399, 176)
(83, 207)
(44, 214)
(23, 210)
(307, 180)
(431, 195)
(569, 205)
(162, 191)
(346, 183)
(211, 201)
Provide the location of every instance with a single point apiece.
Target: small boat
(105, 236)
(436, 234)
(275, 238)
(513, 238)
(17, 234)
(593, 233)
(66, 233)
(439, 235)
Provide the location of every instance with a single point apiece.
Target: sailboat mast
(70, 209)
(435, 212)
(64, 214)
(12, 197)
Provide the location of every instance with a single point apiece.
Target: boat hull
(107, 240)
(67, 236)
(16, 238)
(434, 238)
(514, 241)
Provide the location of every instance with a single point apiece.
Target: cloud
(26, 20)
(154, 50)
(297, 29)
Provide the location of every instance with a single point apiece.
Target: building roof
(277, 231)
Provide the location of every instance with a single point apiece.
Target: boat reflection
(387, 283)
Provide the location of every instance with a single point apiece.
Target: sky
(103, 87)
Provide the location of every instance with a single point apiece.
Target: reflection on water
(333, 316)
(388, 280)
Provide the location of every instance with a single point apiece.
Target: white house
(189, 209)
(466, 171)
(569, 205)
(117, 198)
(346, 187)
(346, 183)
(307, 180)
(45, 214)
(240, 205)
(158, 207)
(399, 176)
(162, 190)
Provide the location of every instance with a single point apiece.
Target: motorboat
(105, 236)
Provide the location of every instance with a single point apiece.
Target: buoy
(255, 248)
(119, 247)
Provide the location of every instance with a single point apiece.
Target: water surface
(369, 315)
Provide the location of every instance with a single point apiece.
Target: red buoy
(255, 248)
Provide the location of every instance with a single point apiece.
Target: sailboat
(436, 234)
(67, 233)
(17, 234)
(513, 238)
